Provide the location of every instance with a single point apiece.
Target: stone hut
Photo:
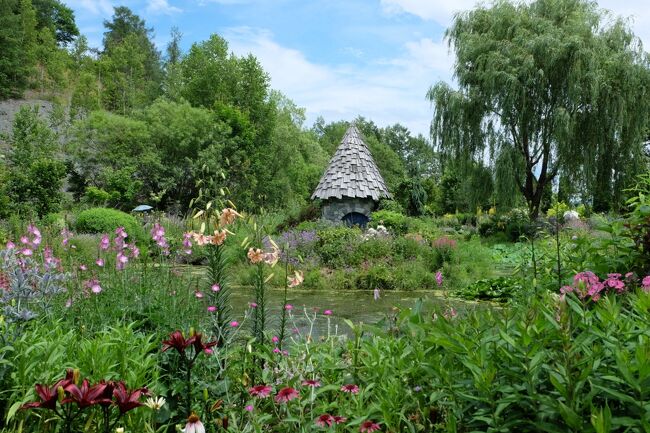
(352, 185)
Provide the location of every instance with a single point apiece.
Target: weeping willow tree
(547, 87)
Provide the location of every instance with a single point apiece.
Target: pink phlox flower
(121, 233)
(121, 261)
(286, 395)
(645, 283)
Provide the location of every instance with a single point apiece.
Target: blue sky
(336, 58)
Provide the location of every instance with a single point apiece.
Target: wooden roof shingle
(352, 172)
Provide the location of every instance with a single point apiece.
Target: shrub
(337, 246)
(377, 277)
(396, 222)
(500, 289)
(105, 220)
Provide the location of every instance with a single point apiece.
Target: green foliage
(58, 19)
(394, 221)
(501, 289)
(337, 244)
(45, 351)
(17, 44)
(377, 277)
(105, 220)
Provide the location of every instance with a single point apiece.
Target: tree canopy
(545, 84)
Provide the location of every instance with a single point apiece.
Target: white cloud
(162, 7)
(386, 91)
(95, 7)
(440, 11)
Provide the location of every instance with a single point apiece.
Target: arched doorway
(355, 219)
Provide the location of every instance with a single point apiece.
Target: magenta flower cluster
(587, 285)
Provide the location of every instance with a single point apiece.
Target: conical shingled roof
(351, 172)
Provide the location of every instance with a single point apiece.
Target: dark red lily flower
(178, 342)
(49, 395)
(85, 395)
(127, 400)
(199, 346)
(106, 398)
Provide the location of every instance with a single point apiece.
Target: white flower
(155, 403)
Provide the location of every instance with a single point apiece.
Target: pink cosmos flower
(252, 304)
(311, 382)
(212, 309)
(215, 287)
(208, 351)
(260, 391)
(286, 394)
(288, 307)
(234, 324)
(351, 388)
(327, 312)
(368, 427)
(198, 294)
(276, 350)
(249, 408)
(275, 339)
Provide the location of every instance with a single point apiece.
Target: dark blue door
(355, 219)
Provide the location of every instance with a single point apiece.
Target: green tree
(17, 45)
(533, 83)
(130, 64)
(58, 18)
(35, 174)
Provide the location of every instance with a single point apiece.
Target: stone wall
(336, 209)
